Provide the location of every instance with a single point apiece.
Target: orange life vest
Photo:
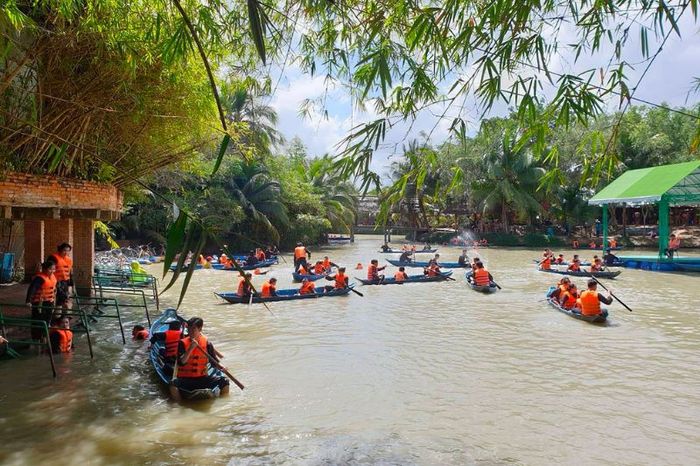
(47, 290)
(302, 270)
(141, 335)
(675, 243)
(200, 260)
(223, 259)
(63, 267)
(319, 269)
(400, 276)
(65, 339)
(307, 288)
(567, 299)
(481, 277)
(433, 271)
(575, 244)
(612, 243)
(267, 289)
(327, 264)
(590, 305)
(372, 272)
(260, 255)
(591, 245)
(172, 338)
(546, 264)
(241, 286)
(574, 267)
(197, 363)
(299, 252)
(340, 280)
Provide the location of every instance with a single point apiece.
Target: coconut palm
(510, 178)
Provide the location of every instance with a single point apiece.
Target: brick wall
(83, 255)
(23, 190)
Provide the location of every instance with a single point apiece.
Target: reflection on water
(411, 374)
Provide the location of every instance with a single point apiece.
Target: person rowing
(562, 287)
(405, 257)
(319, 269)
(481, 276)
(385, 247)
(559, 260)
(463, 259)
(327, 264)
(193, 363)
(575, 266)
(610, 259)
(269, 288)
(427, 247)
(400, 275)
(596, 265)
(433, 269)
(307, 287)
(569, 298)
(341, 280)
(245, 288)
(545, 263)
(589, 301)
(373, 271)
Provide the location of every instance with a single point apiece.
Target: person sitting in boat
(171, 338)
(302, 270)
(327, 264)
(610, 259)
(271, 251)
(463, 259)
(319, 269)
(562, 286)
(405, 256)
(223, 259)
(559, 260)
(427, 247)
(474, 261)
(307, 287)
(612, 242)
(481, 276)
(269, 288)
(674, 244)
(194, 354)
(545, 263)
(245, 287)
(139, 333)
(61, 336)
(569, 298)
(575, 244)
(433, 269)
(436, 258)
(596, 265)
(548, 253)
(341, 280)
(401, 275)
(373, 271)
(575, 265)
(385, 247)
(260, 254)
(589, 301)
(251, 259)
(592, 245)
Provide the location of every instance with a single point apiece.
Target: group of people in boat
(586, 302)
(612, 243)
(575, 265)
(407, 248)
(254, 257)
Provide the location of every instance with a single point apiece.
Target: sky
(669, 80)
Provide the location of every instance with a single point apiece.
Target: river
(424, 374)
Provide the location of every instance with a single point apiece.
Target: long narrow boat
(487, 289)
(582, 264)
(164, 369)
(599, 319)
(687, 267)
(298, 277)
(598, 248)
(582, 273)
(400, 251)
(411, 279)
(261, 264)
(284, 295)
(444, 265)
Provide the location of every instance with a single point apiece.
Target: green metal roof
(678, 183)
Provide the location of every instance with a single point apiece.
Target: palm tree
(338, 196)
(510, 179)
(243, 105)
(260, 198)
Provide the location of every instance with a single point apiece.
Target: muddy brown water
(411, 374)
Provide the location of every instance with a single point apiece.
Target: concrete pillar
(83, 256)
(57, 232)
(33, 247)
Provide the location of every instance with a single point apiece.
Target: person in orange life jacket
(545, 263)
(244, 285)
(341, 280)
(575, 266)
(597, 265)
(575, 244)
(269, 288)
(61, 336)
(41, 296)
(64, 274)
(300, 255)
(327, 264)
(192, 371)
(674, 244)
(170, 338)
(303, 270)
(612, 242)
(319, 269)
(481, 276)
(307, 287)
(401, 275)
(373, 271)
(433, 269)
(592, 245)
(139, 333)
(559, 259)
(589, 301)
(260, 254)
(568, 298)
(562, 286)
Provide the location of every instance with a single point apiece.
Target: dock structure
(667, 185)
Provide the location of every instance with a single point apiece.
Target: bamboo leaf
(176, 237)
(257, 27)
(222, 150)
(195, 254)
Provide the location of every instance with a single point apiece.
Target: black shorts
(42, 311)
(62, 292)
(195, 383)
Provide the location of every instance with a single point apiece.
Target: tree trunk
(504, 218)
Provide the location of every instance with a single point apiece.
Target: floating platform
(654, 263)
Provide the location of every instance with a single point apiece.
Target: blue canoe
(582, 264)
(444, 265)
(411, 279)
(584, 273)
(284, 295)
(311, 277)
(400, 251)
(490, 288)
(164, 369)
(599, 319)
(261, 264)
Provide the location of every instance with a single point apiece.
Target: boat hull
(411, 279)
(284, 295)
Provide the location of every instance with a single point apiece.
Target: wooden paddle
(611, 294)
(217, 364)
